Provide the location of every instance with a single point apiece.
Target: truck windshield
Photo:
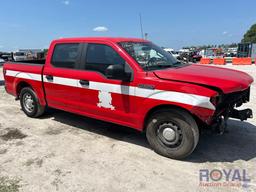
(150, 56)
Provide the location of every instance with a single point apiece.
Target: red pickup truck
(134, 83)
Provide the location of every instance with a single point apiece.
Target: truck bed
(18, 74)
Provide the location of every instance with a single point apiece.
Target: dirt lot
(66, 152)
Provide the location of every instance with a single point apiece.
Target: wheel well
(163, 107)
(20, 86)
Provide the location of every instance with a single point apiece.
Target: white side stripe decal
(32, 76)
(172, 96)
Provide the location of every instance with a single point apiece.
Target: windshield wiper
(177, 63)
(155, 67)
(162, 66)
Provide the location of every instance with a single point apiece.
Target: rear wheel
(30, 104)
(172, 133)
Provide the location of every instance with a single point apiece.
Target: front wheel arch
(166, 107)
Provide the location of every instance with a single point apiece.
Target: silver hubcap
(28, 102)
(169, 134)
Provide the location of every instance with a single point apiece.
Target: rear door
(60, 76)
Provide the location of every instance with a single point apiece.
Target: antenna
(141, 28)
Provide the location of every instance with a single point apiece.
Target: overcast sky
(34, 23)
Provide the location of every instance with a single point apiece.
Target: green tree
(250, 35)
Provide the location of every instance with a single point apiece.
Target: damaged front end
(226, 105)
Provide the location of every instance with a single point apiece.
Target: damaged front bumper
(220, 123)
(227, 109)
(243, 115)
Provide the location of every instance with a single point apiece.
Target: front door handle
(49, 77)
(84, 82)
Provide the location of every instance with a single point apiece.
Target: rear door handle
(84, 82)
(49, 77)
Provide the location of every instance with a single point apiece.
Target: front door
(105, 98)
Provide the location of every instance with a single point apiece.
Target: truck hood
(227, 80)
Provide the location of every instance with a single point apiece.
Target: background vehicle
(246, 50)
(191, 56)
(19, 56)
(1, 62)
(212, 52)
(173, 52)
(134, 83)
(6, 56)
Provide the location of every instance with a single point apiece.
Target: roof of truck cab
(109, 39)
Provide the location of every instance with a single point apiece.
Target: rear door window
(65, 55)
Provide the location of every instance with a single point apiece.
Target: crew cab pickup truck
(134, 83)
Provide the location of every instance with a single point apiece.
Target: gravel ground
(66, 152)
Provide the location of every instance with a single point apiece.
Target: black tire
(35, 109)
(182, 129)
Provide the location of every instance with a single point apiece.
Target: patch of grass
(9, 185)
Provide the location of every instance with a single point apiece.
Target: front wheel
(30, 104)
(172, 133)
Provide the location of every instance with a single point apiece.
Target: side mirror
(117, 72)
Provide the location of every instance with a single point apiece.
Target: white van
(19, 56)
(172, 52)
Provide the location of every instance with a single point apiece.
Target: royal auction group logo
(224, 178)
